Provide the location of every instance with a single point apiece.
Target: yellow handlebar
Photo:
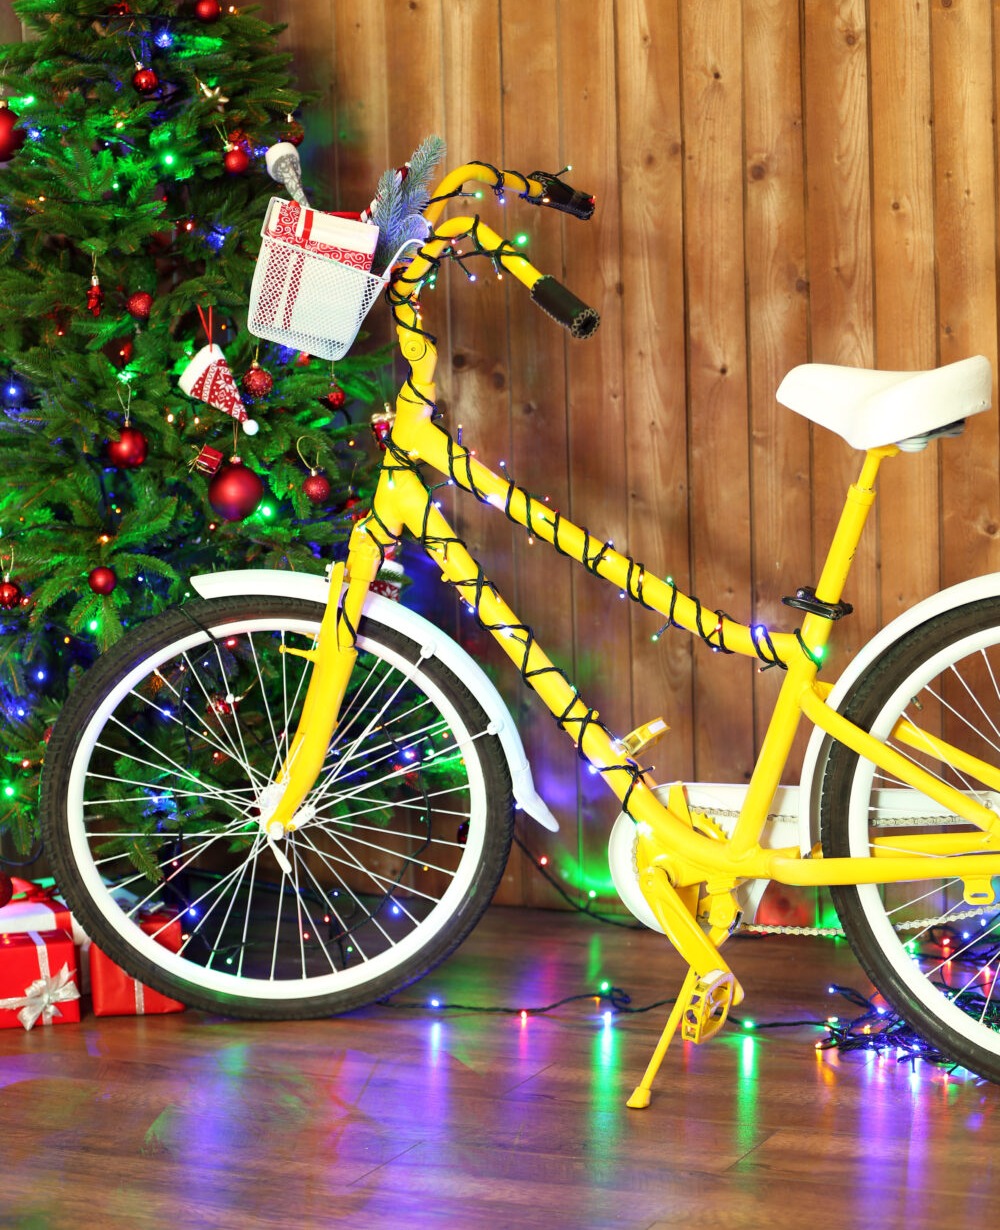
(480, 172)
(539, 188)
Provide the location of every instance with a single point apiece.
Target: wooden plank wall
(777, 181)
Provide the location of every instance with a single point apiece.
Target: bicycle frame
(674, 858)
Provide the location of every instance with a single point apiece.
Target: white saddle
(871, 409)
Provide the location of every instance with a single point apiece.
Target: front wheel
(934, 957)
(166, 756)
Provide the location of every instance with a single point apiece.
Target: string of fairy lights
(871, 1025)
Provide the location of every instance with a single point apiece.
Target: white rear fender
(810, 783)
(433, 642)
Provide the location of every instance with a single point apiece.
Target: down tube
(516, 639)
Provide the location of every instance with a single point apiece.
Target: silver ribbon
(41, 998)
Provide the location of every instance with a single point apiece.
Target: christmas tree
(132, 192)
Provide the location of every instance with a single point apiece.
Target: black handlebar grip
(562, 196)
(562, 305)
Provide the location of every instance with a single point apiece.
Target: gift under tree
(132, 192)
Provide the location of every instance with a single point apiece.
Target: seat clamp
(805, 600)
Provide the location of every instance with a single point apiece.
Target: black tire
(930, 954)
(153, 804)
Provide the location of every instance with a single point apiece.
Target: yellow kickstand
(641, 1094)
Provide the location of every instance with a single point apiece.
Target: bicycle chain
(916, 924)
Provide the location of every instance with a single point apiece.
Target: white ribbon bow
(41, 998)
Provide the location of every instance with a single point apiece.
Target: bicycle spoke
(341, 839)
(329, 860)
(184, 766)
(204, 735)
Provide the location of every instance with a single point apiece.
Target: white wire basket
(307, 300)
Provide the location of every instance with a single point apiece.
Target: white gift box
(312, 287)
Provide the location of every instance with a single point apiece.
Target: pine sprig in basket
(400, 199)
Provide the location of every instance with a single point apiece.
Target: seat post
(857, 505)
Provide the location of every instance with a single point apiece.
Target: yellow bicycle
(323, 781)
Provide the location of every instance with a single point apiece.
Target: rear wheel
(934, 957)
(164, 759)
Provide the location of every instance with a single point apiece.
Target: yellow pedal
(708, 1006)
(642, 737)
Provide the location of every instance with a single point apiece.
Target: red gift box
(114, 993)
(38, 979)
(335, 236)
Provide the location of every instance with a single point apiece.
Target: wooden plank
(777, 323)
(474, 379)
(839, 229)
(539, 421)
(652, 192)
(310, 37)
(596, 453)
(965, 202)
(361, 121)
(778, 333)
(416, 74)
(11, 30)
(903, 246)
(712, 76)
(361, 103)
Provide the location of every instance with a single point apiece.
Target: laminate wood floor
(413, 1118)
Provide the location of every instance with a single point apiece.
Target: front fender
(434, 642)
(956, 595)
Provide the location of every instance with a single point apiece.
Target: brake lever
(557, 194)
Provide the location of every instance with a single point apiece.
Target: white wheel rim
(892, 942)
(215, 980)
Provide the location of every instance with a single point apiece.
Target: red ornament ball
(316, 487)
(140, 304)
(294, 134)
(102, 579)
(129, 450)
(236, 161)
(235, 491)
(336, 398)
(10, 595)
(11, 138)
(257, 382)
(208, 10)
(144, 80)
(6, 889)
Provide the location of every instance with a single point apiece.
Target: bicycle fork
(332, 657)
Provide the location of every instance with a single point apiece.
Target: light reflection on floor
(387, 1111)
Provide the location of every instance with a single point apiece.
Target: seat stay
(816, 709)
